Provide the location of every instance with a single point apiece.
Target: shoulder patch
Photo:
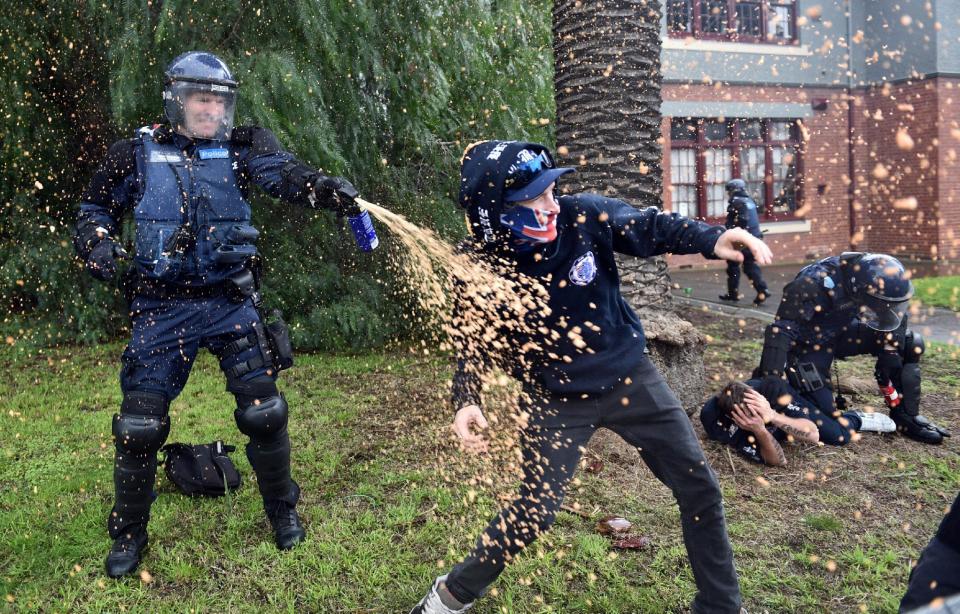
(828, 283)
(584, 269)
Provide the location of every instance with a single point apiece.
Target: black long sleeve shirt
(600, 339)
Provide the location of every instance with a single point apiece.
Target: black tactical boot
(730, 296)
(287, 530)
(127, 549)
(762, 297)
(917, 427)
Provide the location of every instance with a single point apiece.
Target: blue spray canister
(363, 231)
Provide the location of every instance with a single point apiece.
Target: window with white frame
(705, 153)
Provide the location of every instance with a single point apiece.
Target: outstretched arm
(731, 243)
(651, 232)
(280, 174)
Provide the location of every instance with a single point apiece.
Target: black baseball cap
(530, 174)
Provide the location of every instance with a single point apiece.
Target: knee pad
(265, 419)
(913, 347)
(140, 435)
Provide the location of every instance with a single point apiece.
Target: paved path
(701, 286)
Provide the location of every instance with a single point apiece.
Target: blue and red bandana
(530, 226)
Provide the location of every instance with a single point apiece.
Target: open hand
(746, 418)
(466, 418)
(759, 405)
(735, 239)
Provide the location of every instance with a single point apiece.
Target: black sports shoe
(124, 556)
(287, 530)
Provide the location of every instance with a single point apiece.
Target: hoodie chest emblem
(584, 269)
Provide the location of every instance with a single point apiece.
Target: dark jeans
(654, 422)
(752, 271)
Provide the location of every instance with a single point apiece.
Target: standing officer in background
(742, 213)
(845, 306)
(192, 285)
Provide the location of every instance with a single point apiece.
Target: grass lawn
(939, 291)
(389, 501)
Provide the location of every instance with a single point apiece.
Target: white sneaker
(433, 604)
(875, 422)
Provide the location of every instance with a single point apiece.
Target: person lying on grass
(743, 418)
(755, 426)
(594, 373)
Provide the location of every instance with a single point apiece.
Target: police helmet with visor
(199, 96)
(881, 288)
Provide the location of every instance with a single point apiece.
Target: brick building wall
(824, 201)
(948, 161)
(898, 160)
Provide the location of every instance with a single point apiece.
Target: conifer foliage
(386, 94)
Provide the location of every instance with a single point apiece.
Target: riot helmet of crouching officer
(199, 96)
(879, 285)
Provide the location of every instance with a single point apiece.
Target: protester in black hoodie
(575, 383)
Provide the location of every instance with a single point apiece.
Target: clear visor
(882, 315)
(200, 110)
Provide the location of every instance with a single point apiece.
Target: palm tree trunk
(607, 89)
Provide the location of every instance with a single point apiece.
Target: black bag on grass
(201, 470)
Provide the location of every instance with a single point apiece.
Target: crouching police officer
(742, 213)
(191, 285)
(845, 306)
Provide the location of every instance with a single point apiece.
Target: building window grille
(754, 21)
(705, 153)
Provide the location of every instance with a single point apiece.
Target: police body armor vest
(198, 193)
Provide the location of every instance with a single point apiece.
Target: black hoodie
(580, 273)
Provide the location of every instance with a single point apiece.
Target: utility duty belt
(155, 288)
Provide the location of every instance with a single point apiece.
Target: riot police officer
(742, 213)
(191, 284)
(845, 306)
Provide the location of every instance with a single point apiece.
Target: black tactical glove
(775, 389)
(101, 262)
(889, 364)
(337, 194)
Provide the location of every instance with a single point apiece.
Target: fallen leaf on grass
(634, 542)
